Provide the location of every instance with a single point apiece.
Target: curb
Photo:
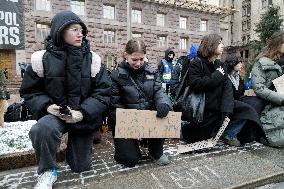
(28, 158)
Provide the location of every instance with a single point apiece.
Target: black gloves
(162, 110)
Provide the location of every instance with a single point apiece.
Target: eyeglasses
(76, 30)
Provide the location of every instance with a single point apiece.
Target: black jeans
(127, 151)
(46, 137)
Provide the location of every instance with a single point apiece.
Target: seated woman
(135, 85)
(263, 73)
(245, 130)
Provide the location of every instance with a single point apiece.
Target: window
(244, 11)
(136, 16)
(160, 19)
(109, 12)
(244, 26)
(248, 24)
(183, 43)
(244, 39)
(203, 25)
(42, 5)
(266, 3)
(246, 53)
(248, 38)
(136, 35)
(109, 36)
(109, 61)
(42, 31)
(78, 6)
(248, 10)
(182, 22)
(162, 41)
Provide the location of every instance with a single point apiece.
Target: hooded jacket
(65, 74)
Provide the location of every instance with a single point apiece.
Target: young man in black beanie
(68, 89)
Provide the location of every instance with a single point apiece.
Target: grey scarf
(235, 79)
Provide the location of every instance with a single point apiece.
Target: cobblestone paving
(104, 165)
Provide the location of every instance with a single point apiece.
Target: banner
(11, 24)
(131, 123)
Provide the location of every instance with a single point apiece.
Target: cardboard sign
(209, 143)
(279, 84)
(131, 123)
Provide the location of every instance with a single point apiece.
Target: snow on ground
(14, 137)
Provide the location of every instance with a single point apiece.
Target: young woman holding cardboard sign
(135, 85)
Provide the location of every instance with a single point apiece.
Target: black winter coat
(124, 94)
(203, 77)
(67, 75)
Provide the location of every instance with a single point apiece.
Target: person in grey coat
(68, 89)
(263, 73)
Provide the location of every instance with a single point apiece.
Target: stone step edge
(275, 178)
(23, 159)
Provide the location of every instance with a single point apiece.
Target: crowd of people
(70, 90)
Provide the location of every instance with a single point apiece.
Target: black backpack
(13, 113)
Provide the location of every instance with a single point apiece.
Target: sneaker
(46, 179)
(163, 160)
(232, 142)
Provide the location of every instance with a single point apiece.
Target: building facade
(244, 23)
(161, 24)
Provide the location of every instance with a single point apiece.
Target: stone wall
(96, 25)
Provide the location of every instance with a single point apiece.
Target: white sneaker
(46, 179)
(163, 160)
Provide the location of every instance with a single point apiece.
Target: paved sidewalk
(221, 167)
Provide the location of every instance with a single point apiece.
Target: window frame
(183, 22)
(108, 35)
(164, 20)
(134, 17)
(75, 10)
(159, 41)
(186, 43)
(42, 35)
(108, 6)
(206, 25)
(47, 5)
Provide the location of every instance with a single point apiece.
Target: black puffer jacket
(126, 95)
(64, 74)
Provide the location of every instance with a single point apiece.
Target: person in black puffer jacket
(67, 88)
(149, 96)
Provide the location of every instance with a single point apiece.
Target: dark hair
(135, 45)
(208, 45)
(232, 60)
(272, 46)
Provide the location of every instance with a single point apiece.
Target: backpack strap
(183, 82)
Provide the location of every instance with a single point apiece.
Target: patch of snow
(14, 137)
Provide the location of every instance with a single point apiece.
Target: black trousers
(46, 137)
(127, 151)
